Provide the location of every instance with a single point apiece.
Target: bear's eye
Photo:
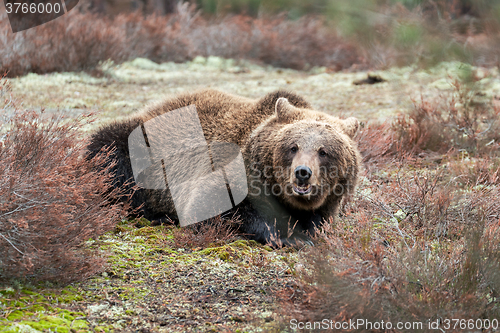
(322, 153)
(293, 149)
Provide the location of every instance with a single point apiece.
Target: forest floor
(150, 285)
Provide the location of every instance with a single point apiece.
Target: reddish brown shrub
(363, 268)
(454, 129)
(79, 41)
(394, 35)
(301, 44)
(471, 171)
(159, 38)
(423, 204)
(376, 142)
(73, 42)
(229, 37)
(51, 198)
(454, 121)
(199, 235)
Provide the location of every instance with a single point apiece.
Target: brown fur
(312, 133)
(224, 117)
(265, 129)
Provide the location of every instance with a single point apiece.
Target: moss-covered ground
(151, 285)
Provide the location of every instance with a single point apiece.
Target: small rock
(371, 79)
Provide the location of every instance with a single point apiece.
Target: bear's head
(304, 156)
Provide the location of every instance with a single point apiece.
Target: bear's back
(224, 117)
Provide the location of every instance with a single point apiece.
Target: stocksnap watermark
(26, 14)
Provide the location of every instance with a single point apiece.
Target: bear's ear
(283, 108)
(351, 124)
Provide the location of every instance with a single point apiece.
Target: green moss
(7, 291)
(65, 314)
(142, 222)
(267, 248)
(235, 251)
(18, 328)
(131, 293)
(79, 324)
(246, 243)
(16, 304)
(160, 250)
(120, 229)
(18, 314)
(58, 324)
(224, 255)
(73, 298)
(211, 250)
(37, 308)
(140, 241)
(145, 231)
(101, 329)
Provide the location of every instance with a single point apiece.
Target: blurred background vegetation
(394, 32)
(424, 31)
(334, 34)
(351, 8)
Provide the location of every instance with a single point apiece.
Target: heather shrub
(381, 33)
(375, 143)
(480, 170)
(72, 42)
(455, 121)
(199, 235)
(301, 44)
(52, 199)
(159, 38)
(376, 266)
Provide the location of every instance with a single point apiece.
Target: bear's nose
(303, 173)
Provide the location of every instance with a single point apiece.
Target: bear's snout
(303, 173)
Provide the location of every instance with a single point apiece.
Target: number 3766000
(40, 8)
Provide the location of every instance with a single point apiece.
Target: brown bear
(300, 163)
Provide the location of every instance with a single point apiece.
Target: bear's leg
(310, 221)
(267, 221)
(330, 210)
